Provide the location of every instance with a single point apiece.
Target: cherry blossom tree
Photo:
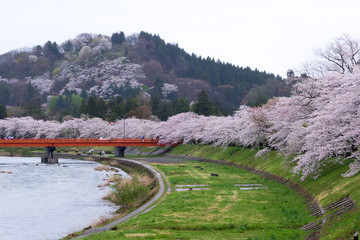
(333, 130)
(70, 129)
(319, 124)
(94, 128)
(132, 128)
(167, 89)
(82, 40)
(341, 55)
(181, 127)
(100, 45)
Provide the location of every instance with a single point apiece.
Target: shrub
(130, 192)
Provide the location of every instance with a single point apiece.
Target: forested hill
(176, 60)
(229, 83)
(141, 69)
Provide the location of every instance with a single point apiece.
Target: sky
(270, 35)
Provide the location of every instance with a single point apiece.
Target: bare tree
(314, 69)
(341, 55)
(8, 57)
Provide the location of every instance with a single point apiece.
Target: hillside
(107, 67)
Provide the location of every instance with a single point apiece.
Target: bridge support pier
(49, 156)
(120, 151)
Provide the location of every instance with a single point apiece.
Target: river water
(49, 201)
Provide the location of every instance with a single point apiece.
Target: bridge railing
(82, 142)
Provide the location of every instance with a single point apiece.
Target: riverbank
(207, 202)
(144, 203)
(328, 189)
(129, 204)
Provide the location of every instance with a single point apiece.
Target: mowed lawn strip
(223, 212)
(327, 188)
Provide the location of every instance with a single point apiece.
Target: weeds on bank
(15, 152)
(130, 192)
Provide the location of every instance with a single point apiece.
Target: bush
(130, 192)
(55, 72)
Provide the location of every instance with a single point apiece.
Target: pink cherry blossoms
(318, 124)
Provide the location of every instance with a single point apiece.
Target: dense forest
(115, 77)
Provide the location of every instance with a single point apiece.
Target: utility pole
(124, 129)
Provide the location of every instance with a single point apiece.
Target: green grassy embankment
(329, 187)
(16, 152)
(222, 212)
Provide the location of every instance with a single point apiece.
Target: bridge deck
(80, 142)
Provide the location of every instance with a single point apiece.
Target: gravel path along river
(144, 208)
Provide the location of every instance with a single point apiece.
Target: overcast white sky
(271, 35)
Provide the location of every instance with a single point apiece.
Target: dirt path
(161, 160)
(143, 209)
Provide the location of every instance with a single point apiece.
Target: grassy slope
(223, 212)
(327, 188)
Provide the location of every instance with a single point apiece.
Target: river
(49, 201)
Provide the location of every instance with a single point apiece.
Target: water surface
(49, 201)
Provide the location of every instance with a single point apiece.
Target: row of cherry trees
(320, 121)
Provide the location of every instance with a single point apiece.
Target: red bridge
(81, 142)
(50, 144)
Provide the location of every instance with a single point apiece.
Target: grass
(342, 227)
(329, 187)
(16, 152)
(131, 192)
(76, 150)
(149, 149)
(223, 212)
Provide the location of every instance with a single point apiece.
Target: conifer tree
(118, 38)
(204, 106)
(91, 107)
(2, 111)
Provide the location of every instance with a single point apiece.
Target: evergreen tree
(2, 111)
(91, 107)
(130, 104)
(118, 38)
(155, 103)
(84, 94)
(165, 110)
(38, 51)
(51, 51)
(83, 107)
(30, 92)
(68, 46)
(116, 107)
(4, 93)
(101, 108)
(181, 105)
(204, 105)
(34, 109)
(75, 105)
(159, 83)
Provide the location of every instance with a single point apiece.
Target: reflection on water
(45, 201)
